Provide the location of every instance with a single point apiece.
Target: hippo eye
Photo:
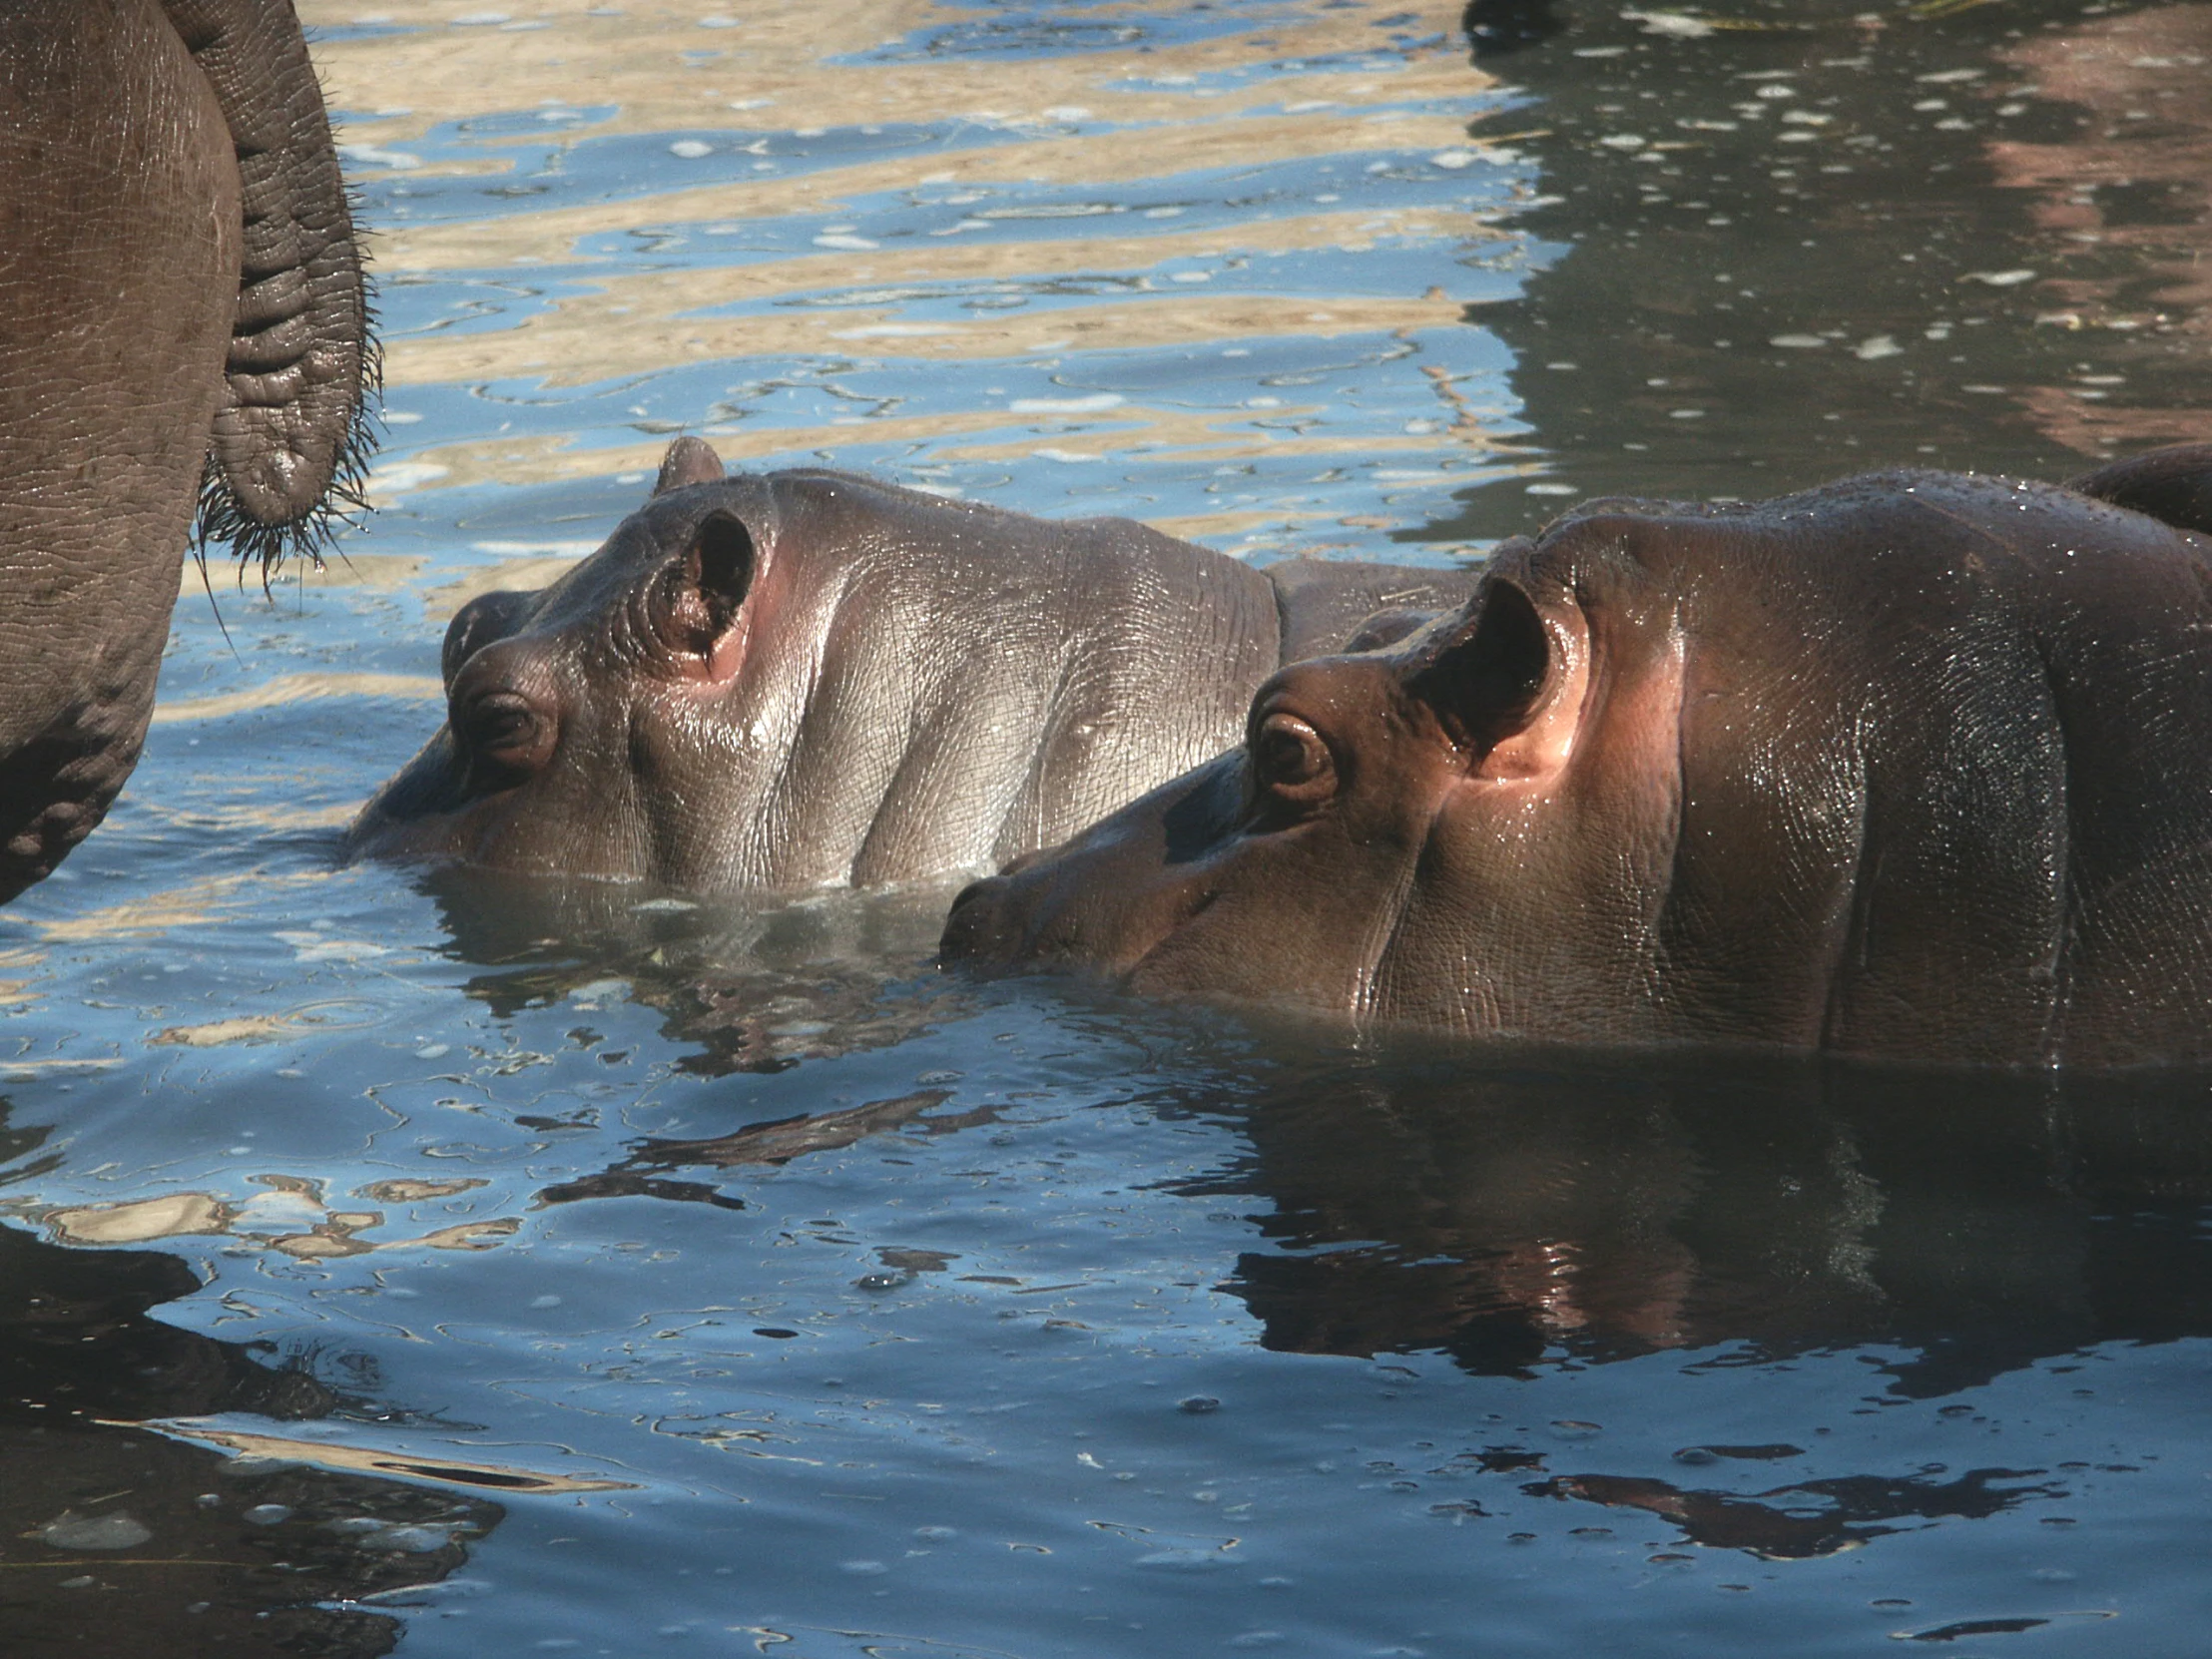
(504, 737)
(1289, 758)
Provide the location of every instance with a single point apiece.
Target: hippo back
(1945, 769)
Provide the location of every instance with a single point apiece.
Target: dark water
(405, 1259)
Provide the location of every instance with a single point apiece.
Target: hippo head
(1386, 806)
(1908, 765)
(807, 678)
(576, 716)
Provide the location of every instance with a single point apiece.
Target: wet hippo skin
(1915, 764)
(810, 677)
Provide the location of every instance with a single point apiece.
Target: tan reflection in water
(778, 62)
(1153, 114)
(378, 572)
(1222, 435)
(288, 690)
(1107, 159)
(193, 905)
(289, 1216)
(446, 1471)
(639, 325)
(2145, 83)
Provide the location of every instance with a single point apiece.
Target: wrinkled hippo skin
(811, 677)
(1913, 766)
(182, 326)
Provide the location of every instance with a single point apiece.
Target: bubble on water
(549, 1300)
(1574, 1428)
(1185, 1561)
(269, 1514)
(863, 1568)
(1671, 25)
(877, 1283)
(1198, 1405)
(1876, 345)
(413, 1540)
(936, 1535)
(1092, 405)
(121, 1531)
(1797, 343)
(690, 150)
(433, 1051)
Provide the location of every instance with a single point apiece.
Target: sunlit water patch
(582, 1268)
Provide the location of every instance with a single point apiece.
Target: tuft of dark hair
(222, 520)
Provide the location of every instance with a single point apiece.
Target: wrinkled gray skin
(811, 677)
(1913, 766)
(181, 312)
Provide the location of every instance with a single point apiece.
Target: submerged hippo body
(811, 677)
(1915, 764)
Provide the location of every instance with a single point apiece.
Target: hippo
(811, 677)
(1916, 765)
(183, 338)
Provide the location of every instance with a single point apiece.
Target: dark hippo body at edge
(1914, 765)
(810, 677)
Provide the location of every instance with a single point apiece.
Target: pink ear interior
(703, 592)
(1507, 685)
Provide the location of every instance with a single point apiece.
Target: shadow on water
(1812, 237)
(1528, 1218)
(117, 1539)
(1511, 1217)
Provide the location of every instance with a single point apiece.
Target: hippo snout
(974, 933)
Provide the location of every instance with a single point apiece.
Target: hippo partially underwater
(1914, 765)
(813, 678)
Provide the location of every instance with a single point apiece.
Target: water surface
(488, 1267)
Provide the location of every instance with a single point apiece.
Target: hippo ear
(699, 594)
(688, 461)
(1498, 684)
(2173, 485)
(487, 617)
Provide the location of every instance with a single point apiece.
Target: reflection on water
(1810, 241)
(122, 1540)
(1980, 1223)
(580, 1267)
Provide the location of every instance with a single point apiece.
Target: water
(487, 1268)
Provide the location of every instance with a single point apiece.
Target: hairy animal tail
(288, 454)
